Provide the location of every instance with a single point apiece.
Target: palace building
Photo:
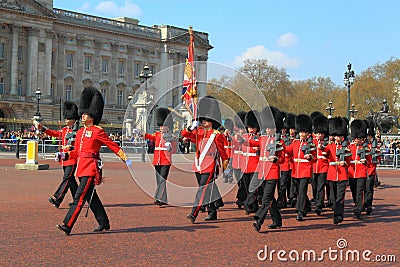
(58, 52)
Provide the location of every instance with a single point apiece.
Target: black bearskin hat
(271, 117)
(320, 124)
(358, 129)
(290, 121)
(164, 118)
(252, 118)
(315, 114)
(208, 109)
(338, 127)
(228, 124)
(70, 111)
(92, 103)
(239, 119)
(303, 123)
(371, 127)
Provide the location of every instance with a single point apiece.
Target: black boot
(212, 216)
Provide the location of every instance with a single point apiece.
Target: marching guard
(239, 130)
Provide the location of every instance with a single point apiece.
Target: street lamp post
(353, 111)
(330, 109)
(348, 81)
(145, 74)
(38, 95)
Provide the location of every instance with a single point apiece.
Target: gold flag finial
(190, 30)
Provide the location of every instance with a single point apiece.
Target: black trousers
(284, 187)
(357, 187)
(207, 193)
(318, 183)
(253, 191)
(162, 172)
(369, 191)
(338, 190)
(84, 194)
(268, 203)
(244, 184)
(303, 203)
(68, 181)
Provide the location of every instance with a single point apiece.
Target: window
(1, 85)
(121, 64)
(2, 48)
(136, 69)
(68, 92)
(51, 88)
(70, 61)
(19, 87)
(104, 93)
(20, 53)
(53, 54)
(152, 69)
(104, 65)
(88, 63)
(120, 98)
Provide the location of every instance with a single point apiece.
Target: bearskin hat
(358, 129)
(252, 119)
(208, 109)
(338, 126)
(239, 119)
(228, 124)
(315, 114)
(303, 123)
(164, 118)
(70, 111)
(289, 121)
(271, 117)
(92, 103)
(320, 124)
(371, 127)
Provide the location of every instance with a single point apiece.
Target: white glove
(194, 125)
(167, 144)
(59, 156)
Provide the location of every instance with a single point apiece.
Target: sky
(308, 38)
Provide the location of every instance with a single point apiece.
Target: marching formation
(273, 155)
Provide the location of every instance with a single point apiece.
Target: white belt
(264, 159)
(334, 163)
(237, 152)
(228, 146)
(247, 154)
(321, 157)
(356, 162)
(160, 148)
(300, 160)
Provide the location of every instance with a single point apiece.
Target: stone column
(32, 81)
(14, 60)
(47, 65)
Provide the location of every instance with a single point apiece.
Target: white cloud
(287, 39)
(276, 58)
(112, 10)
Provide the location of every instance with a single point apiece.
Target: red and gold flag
(189, 91)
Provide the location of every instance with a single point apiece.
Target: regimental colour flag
(189, 91)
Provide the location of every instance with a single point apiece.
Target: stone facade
(59, 52)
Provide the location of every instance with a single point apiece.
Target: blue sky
(309, 38)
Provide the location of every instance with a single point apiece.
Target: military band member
(239, 129)
(272, 149)
(66, 135)
(228, 134)
(164, 147)
(304, 155)
(89, 140)
(210, 150)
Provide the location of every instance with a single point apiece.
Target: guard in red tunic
(272, 153)
(358, 165)
(228, 134)
(239, 129)
(304, 154)
(210, 150)
(67, 137)
(89, 140)
(338, 155)
(164, 147)
(320, 167)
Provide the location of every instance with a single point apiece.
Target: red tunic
(237, 153)
(302, 168)
(162, 154)
(267, 169)
(287, 164)
(356, 168)
(336, 172)
(250, 154)
(88, 142)
(371, 165)
(60, 134)
(228, 145)
(321, 165)
(206, 160)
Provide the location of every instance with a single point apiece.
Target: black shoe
(300, 217)
(357, 214)
(64, 228)
(54, 202)
(211, 217)
(337, 219)
(318, 211)
(369, 211)
(191, 218)
(257, 226)
(239, 203)
(203, 209)
(219, 203)
(101, 228)
(275, 225)
(307, 211)
(293, 203)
